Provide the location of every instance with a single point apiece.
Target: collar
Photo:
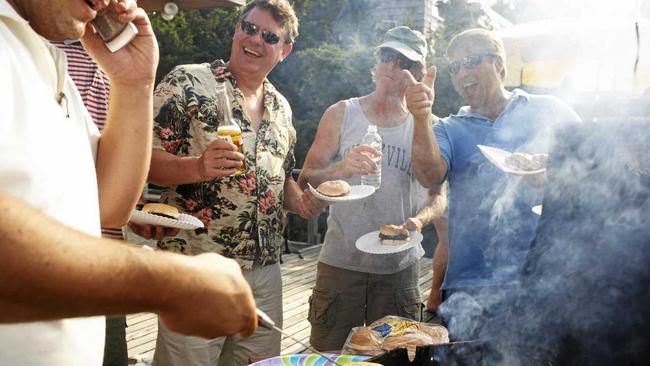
(517, 96)
(8, 11)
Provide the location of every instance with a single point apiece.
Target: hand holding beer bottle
(228, 130)
(224, 156)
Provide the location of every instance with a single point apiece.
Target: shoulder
(187, 73)
(557, 106)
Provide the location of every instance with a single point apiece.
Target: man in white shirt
(59, 180)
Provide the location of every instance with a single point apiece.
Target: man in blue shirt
(491, 223)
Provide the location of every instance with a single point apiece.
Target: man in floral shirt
(242, 213)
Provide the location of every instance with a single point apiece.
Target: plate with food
(340, 191)
(388, 239)
(160, 214)
(515, 162)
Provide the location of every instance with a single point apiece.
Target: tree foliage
(459, 15)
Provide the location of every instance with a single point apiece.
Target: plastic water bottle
(373, 139)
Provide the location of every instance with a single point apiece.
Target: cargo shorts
(343, 299)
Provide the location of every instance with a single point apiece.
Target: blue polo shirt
(491, 224)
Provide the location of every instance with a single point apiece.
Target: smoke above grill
(585, 292)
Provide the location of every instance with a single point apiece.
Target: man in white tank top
(354, 288)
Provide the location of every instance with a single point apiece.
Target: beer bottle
(228, 129)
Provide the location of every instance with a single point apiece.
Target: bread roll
(334, 188)
(365, 339)
(161, 209)
(393, 235)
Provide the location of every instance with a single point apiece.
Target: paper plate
(370, 243)
(498, 158)
(309, 360)
(185, 222)
(356, 193)
(537, 209)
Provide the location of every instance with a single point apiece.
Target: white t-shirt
(47, 158)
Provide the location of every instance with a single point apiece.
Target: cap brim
(407, 52)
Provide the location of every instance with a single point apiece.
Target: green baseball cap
(406, 41)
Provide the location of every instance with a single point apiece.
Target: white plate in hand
(370, 243)
(498, 157)
(356, 193)
(185, 222)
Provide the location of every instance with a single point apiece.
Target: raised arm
(124, 149)
(318, 166)
(51, 271)
(429, 167)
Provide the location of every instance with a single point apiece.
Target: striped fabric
(94, 88)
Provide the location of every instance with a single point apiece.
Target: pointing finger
(430, 77)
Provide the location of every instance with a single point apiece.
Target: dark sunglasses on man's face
(386, 56)
(469, 62)
(252, 29)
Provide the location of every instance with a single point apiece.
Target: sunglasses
(386, 56)
(470, 62)
(252, 29)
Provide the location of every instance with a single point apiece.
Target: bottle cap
(128, 33)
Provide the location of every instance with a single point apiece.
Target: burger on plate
(525, 161)
(393, 235)
(161, 209)
(334, 188)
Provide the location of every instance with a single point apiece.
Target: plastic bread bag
(363, 341)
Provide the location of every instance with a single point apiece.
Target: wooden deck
(298, 278)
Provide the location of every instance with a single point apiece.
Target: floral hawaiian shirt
(242, 214)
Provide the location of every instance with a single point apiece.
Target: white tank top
(398, 199)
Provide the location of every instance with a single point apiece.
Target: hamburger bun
(524, 161)
(334, 188)
(365, 340)
(161, 209)
(393, 235)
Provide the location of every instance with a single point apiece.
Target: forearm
(440, 255)
(167, 169)
(53, 271)
(292, 194)
(317, 176)
(124, 152)
(428, 165)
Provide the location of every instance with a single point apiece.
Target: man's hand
(420, 96)
(217, 301)
(413, 224)
(309, 206)
(151, 231)
(359, 161)
(219, 159)
(135, 64)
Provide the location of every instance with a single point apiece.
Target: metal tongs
(265, 322)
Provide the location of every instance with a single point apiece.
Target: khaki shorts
(173, 349)
(343, 299)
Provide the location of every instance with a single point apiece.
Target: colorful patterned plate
(309, 360)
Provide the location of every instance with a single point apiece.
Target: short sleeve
(564, 112)
(171, 123)
(290, 160)
(442, 138)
